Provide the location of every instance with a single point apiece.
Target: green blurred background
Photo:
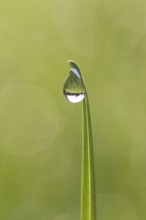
(40, 132)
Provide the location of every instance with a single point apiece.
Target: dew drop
(74, 87)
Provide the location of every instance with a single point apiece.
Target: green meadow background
(40, 132)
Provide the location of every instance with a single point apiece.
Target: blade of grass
(73, 88)
(88, 193)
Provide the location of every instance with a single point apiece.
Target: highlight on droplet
(74, 98)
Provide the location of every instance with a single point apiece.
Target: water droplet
(74, 87)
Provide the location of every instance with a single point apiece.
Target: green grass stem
(88, 192)
(74, 88)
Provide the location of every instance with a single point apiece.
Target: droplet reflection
(74, 98)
